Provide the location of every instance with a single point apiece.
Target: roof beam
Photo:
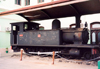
(74, 8)
(24, 17)
(42, 6)
(45, 13)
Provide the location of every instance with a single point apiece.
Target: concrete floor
(12, 61)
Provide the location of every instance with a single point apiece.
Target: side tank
(75, 36)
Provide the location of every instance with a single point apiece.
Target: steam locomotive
(70, 41)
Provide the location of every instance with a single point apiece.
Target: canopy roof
(57, 9)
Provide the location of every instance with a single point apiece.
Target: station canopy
(57, 9)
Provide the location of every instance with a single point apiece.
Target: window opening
(27, 2)
(25, 27)
(14, 28)
(15, 33)
(93, 38)
(39, 1)
(98, 37)
(18, 2)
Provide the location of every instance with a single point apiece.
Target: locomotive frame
(75, 8)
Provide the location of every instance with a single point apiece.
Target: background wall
(5, 22)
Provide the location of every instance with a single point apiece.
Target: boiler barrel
(75, 35)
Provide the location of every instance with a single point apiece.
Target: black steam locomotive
(70, 41)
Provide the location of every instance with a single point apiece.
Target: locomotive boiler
(75, 36)
(72, 35)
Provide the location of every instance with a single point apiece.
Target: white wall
(65, 22)
(9, 4)
(90, 18)
(47, 1)
(33, 2)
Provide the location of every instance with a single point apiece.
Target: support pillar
(53, 57)
(78, 21)
(21, 54)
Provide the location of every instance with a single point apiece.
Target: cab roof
(57, 9)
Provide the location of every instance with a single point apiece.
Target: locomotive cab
(20, 27)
